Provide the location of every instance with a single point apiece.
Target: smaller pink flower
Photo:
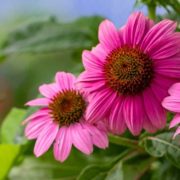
(172, 103)
(62, 120)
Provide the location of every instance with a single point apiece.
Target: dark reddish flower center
(128, 70)
(67, 107)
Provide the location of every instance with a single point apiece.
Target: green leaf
(163, 145)
(46, 167)
(116, 172)
(8, 154)
(165, 171)
(134, 170)
(106, 170)
(11, 128)
(91, 172)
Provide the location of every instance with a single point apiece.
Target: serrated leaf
(11, 127)
(163, 145)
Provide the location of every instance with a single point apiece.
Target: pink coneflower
(129, 72)
(172, 103)
(61, 120)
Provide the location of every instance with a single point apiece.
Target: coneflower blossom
(61, 120)
(129, 73)
(172, 103)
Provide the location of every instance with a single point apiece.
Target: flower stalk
(125, 142)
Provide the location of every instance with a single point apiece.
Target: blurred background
(27, 26)
(39, 38)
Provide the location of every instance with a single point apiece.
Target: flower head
(172, 103)
(129, 72)
(62, 120)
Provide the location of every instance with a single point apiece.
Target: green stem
(152, 11)
(124, 142)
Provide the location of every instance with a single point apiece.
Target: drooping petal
(108, 35)
(116, 122)
(172, 103)
(90, 81)
(63, 144)
(43, 112)
(90, 61)
(174, 90)
(39, 102)
(46, 138)
(81, 138)
(175, 121)
(100, 105)
(154, 110)
(148, 126)
(100, 52)
(133, 114)
(65, 80)
(168, 67)
(35, 127)
(99, 137)
(176, 133)
(160, 86)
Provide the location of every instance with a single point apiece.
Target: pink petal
(177, 132)
(100, 52)
(160, 86)
(175, 121)
(108, 35)
(43, 112)
(133, 114)
(137, 27)
(161, 83)
(39, 102)
(172, 103)
(63, 144)
(168, 67)
(35, 126)
(46, 138)
(91, 81)
(100, 105)
(166, 47)
(90, 61)
(148, 126)
(99, 137)
(175, 90)
(154, 110)
(65, 80)
(81, 138)
(159, 30)
(116, 122)
(48, 90)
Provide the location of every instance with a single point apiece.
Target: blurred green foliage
(35, 51)
(169, 5)
(29, 56)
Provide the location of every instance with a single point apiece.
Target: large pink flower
(61, 119)
(172, 103)
(129, 72)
